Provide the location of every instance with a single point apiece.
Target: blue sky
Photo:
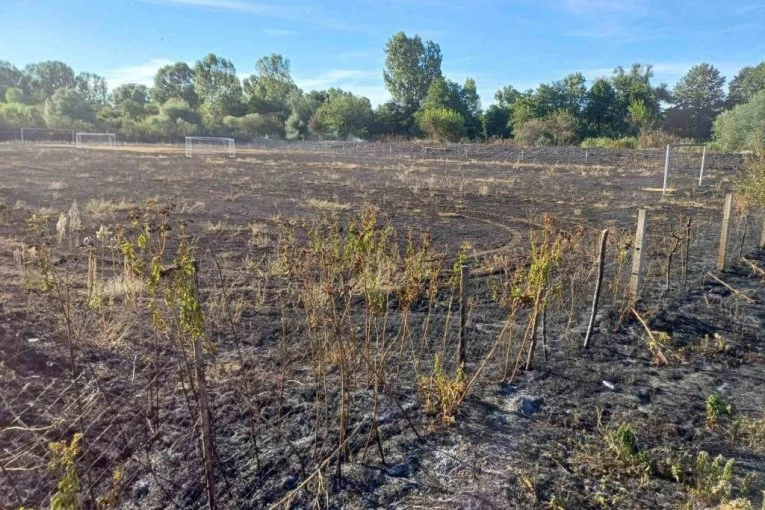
(341, 44)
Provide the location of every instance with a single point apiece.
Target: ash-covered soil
(543, 440)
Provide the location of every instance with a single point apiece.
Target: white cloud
(141, 73)
(275, 32)
(277, 10)
(335, 76)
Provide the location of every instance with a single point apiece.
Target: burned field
(283, 329)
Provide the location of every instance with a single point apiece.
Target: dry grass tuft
(326, 205)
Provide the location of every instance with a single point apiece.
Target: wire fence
(273, 412)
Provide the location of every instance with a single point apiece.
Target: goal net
(90, 139)
(45, 135)
(210, 145)
(684, 160)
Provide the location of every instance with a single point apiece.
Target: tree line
(210, 98)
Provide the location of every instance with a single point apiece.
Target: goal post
(89, 139)
(30, 135)
(210, 145)
(668, 161)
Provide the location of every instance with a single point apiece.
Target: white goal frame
(667, 160)
(44, 130)
(227, 145)
(111, 139)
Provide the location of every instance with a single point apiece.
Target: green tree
(342, 115)
(630, 86)
(218, 88)
(18, 115)
(177, 108)
(14, 95)
(567, 94)
(410, 67)
(562, 127)
(254, 125)
(68, 109)
(496, 122)
(600, 110)
(640, 117)
(270, 89)
(507, 96)
(743, 127)
(91, 87)
(10, 77)
(441, 123)
(175, 81)
(303, 107)
(471, 108)
(46, 78)
(130, 99)
(698, 99)
(745, 84)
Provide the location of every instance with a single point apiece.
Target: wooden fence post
(666, 170)
(762, 236)
(204, 407)
(724, 232)
(463, 314)
(637, 258)
(703, 160)
(596, 296)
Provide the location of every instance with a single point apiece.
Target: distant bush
(657, 139)
(626, 142)
(743, 127)
(751, 185)
(442, 124)
(557, 128)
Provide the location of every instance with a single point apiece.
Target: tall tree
(130, 99)
(471, 108)
(746, 84)
(91, 87)
(175, 81)
(218, 87)
(698, 99)
(567, 94)
(342, 115)
(410, 67)
(743, 126)
(600, 111)
(269, 91)
(46, 78)
(67, 108)
(10, 77)
(630, 86)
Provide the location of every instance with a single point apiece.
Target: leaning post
(637, 258)
(666, 170)
(724, 232)
(598, 282)
(463, 314)
(703, 160)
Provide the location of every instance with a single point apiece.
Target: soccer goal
(210, 145)
(45, 135)
(668, 161)
(90, 139)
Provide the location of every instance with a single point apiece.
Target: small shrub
(62, 466)
(714, 478)
(717, 408)
(751, 185)
(443, 394)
